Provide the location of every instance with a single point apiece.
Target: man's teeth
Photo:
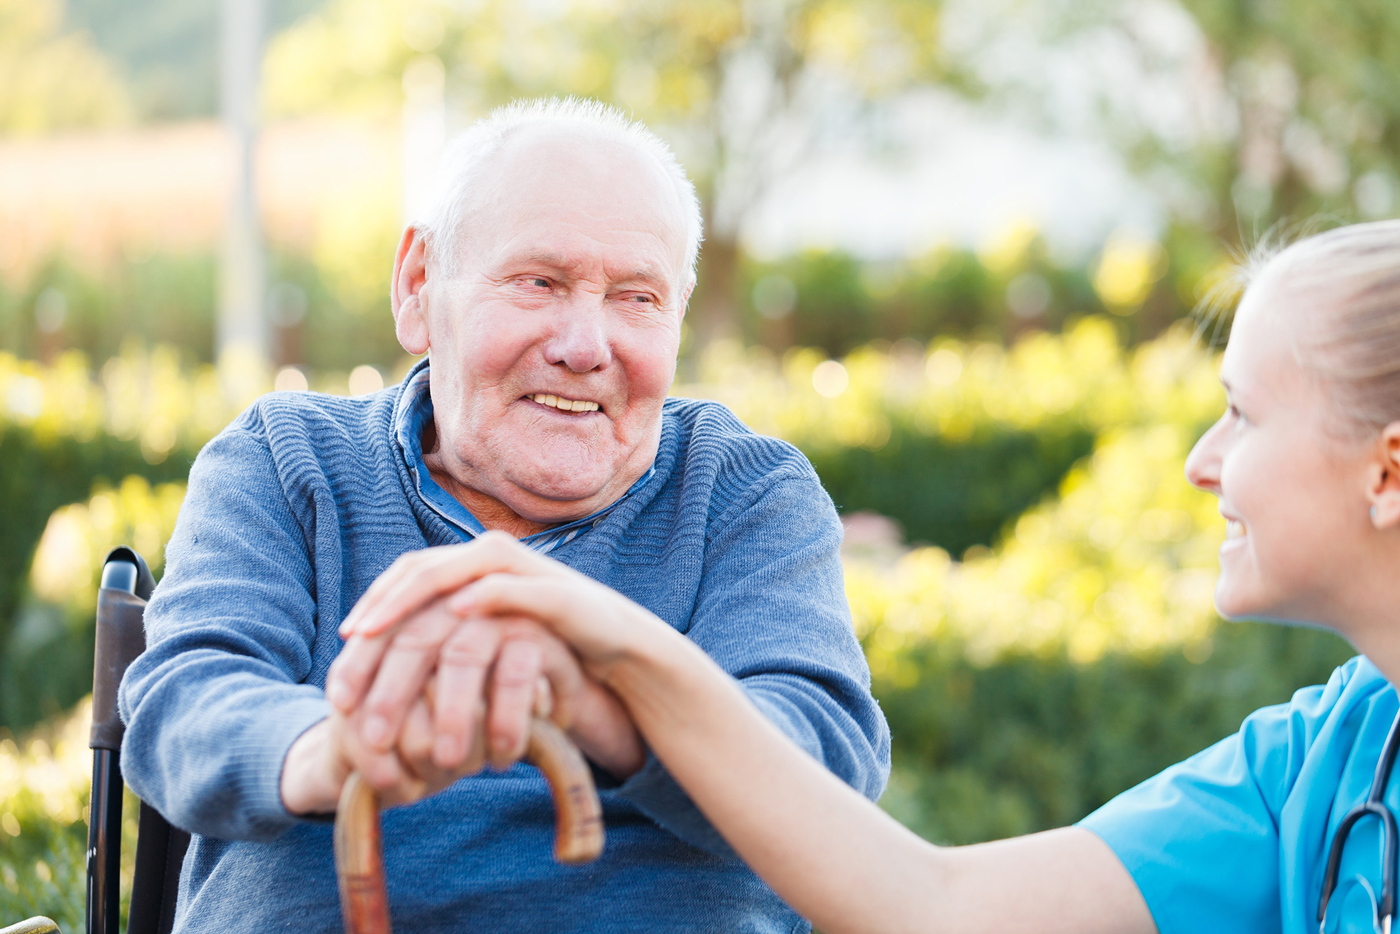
(1234, 528)
(564, 405)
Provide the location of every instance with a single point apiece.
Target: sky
(965, 177)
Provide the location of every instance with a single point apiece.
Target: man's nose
(581, 340)
(1203, 463)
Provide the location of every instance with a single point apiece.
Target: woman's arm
(830, 853)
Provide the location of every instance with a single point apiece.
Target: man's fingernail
(376, 731)
(445, 750)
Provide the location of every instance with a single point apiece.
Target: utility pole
(242, 344)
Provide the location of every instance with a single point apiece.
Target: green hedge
(947, 493)
(38, 474)
(1029, 743)
(43, 826)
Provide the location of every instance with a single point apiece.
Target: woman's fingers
(352, 672)
(430, 573)
(409, 584)
(463, 664)
(591, 618)
(404, 566)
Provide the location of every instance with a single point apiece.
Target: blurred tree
(168, 49)
(744, 90)
(1241, 114)
(1318, 101)
(51, 80)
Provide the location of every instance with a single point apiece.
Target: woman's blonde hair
(1351, 277)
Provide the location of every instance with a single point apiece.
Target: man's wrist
(308, 785)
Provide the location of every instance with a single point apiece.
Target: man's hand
(322, 758)
(377, 677)
(522, 683)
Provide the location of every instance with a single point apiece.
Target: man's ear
(1383, 485)
(406, 292)
(685, 298)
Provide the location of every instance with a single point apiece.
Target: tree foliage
(51, 79)
(744, 90)
(1241, 115)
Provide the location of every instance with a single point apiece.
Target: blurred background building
(952, 251)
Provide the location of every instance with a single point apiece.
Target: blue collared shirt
(412, 414)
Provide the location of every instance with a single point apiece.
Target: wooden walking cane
(359, 863)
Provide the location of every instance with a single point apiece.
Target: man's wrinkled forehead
(550, 171)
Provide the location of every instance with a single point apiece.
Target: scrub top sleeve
(1201, 838)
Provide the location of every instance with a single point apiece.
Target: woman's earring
(1373, 515)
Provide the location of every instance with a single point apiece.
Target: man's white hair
(457, 188)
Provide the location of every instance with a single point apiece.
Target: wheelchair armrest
(36, 925)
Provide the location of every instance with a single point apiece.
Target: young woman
(1306, 465)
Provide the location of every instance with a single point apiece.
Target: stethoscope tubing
(1374, 804)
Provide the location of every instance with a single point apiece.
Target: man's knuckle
(514, 676)
(419, 635)
(465, 654)
(384, 703)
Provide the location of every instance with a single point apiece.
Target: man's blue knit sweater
(301, 503)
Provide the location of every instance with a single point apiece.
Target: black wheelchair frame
(160, 847)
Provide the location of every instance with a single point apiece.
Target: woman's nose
(1203, 463)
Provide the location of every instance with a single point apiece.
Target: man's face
(554, 344)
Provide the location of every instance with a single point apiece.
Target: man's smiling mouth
(562, 404)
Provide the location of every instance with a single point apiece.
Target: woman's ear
(406, 292)
(1384, 482)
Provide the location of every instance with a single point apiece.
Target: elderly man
(547, 286)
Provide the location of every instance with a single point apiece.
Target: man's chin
(555, 499)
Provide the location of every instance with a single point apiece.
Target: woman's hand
(441, 609)
(601, 624)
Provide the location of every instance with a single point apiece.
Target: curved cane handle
(359, 862)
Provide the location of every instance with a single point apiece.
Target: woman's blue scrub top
(1235, 838)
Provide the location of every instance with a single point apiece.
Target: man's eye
(536, 281)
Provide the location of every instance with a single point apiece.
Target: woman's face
(1293, 493)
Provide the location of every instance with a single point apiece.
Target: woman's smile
(1235, 533)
